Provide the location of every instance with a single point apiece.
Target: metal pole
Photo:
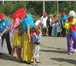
(43, 6)
(3, 1)
(57, 8)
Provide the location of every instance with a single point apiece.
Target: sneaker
(75, 50)
(70, 53)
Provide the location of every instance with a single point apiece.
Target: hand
(1, 34)
(29, 40)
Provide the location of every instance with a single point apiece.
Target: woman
(27, 25)
(68, 24)
(16, 40)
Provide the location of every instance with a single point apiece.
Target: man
(62, 20)
(4, 32)
(44, 25)
(49, 24)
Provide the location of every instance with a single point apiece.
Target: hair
(72, 13)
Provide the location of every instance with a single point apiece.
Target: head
(37, 30)
(44, 14)
(62, 14)
(50, 16)
(72, 14)
(2, 16)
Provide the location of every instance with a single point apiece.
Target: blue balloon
(74, 35)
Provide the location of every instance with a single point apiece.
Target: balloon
(74, 35)
(72, 28)
(67, 26)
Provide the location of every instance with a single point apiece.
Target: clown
(70, 27)
(4, 32)
(17, 34)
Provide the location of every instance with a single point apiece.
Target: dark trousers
(7, 37)
(58, 34)
(49, 30)
(63, 32)
(44, 31)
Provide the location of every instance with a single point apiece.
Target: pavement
(53, 53)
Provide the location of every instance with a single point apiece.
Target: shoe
(70, 53)
(75, 50)
(0, 54)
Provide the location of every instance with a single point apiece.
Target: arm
(28, 32)
(7, 24)
(37, 36)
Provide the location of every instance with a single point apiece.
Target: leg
(18, 51)
(8, 43)
(34, 54)
(2, 43)
(37, 53)
(69, 43)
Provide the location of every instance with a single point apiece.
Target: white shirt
(50, 22)
(44, 21)
(37, 22)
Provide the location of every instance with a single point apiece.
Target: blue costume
(3, 25)
(62, 21)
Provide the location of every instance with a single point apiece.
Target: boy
(36, 45)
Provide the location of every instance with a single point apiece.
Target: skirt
(17, 40)
(27, 54)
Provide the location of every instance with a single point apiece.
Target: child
(58, 29)
(36, 45)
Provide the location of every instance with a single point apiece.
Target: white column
(43, 6)
(57, 8)
(3, 1)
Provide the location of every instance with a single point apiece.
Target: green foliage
(36, 7)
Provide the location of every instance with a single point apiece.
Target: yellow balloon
(67, 26)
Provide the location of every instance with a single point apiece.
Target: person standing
(4, 32)
(62, 21)
(36, 45)
(44, 24)
(26, 27)
(68, 24)
(49, 24)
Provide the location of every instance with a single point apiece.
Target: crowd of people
(52, 25)
(23, 35)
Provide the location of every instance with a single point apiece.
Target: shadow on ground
(64, 60)
(10, 58)
(55, 51)
(7, 57)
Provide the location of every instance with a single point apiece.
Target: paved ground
(53, 53)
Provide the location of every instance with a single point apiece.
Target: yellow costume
(27, 49)
(67, 25)
(16, 41)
